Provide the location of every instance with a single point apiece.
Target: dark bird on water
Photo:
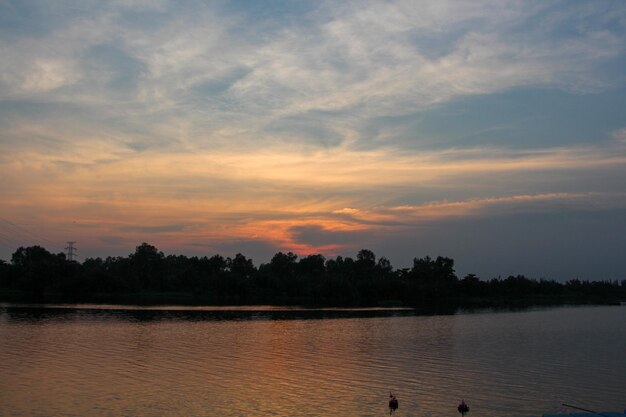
(463, 408)
(393, 403)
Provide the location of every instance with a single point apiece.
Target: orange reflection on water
(88, 361)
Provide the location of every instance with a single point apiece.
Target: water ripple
(117, 362)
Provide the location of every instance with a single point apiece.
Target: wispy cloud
(411, 215)
(365, 58)
(197, 79)
(222, 196)
(304, 125)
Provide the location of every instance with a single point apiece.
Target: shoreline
(189, 299)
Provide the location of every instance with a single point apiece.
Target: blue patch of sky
(34, 18)
(604, 179)
(30, 108)
(613, 70)
(259, 21)
(15, 112)
(146, 141)
(607, 179)
(570, 19)
(515, 119)
(437, 42)
(433, 44)
(18, 18)
(124, 70)
(147, 20)
(313, 130)
(221, 84)
(283, 11)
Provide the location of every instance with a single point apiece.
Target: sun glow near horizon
(317, 128)
(204, 199)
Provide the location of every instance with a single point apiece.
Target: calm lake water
(263, 361)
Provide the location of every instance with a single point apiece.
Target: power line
(13, 235)
(8, 241)
(6, 238)
(14, 228)
(28, 232)
(5, 243)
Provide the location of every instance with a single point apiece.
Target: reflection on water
(260, 361)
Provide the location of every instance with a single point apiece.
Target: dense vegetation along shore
(149, 276)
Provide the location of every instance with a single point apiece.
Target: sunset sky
(492, 132)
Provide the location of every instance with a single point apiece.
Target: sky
(491, 132)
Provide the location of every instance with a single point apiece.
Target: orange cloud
(229, 195)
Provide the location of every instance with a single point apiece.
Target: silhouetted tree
(471, 285)
(312, 266)
(146, 265)
(283, 265)
(36, 267)
(365, 263)
(241, 266)
(383, 268)
(285, 279)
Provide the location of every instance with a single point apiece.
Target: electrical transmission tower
(71, 251)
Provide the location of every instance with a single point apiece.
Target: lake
(270, 361)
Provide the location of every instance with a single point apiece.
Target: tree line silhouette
(36, 274)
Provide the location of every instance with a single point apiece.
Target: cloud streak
(304, 126)
(368, 58)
